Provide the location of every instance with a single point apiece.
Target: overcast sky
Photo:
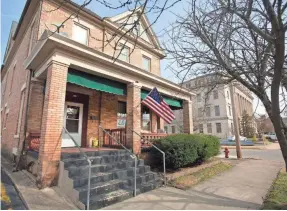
(11, 11)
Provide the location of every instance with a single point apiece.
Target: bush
(185, 149)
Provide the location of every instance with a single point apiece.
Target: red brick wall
(12, 94)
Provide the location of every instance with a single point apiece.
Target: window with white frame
(124, 53)
(208, 113)
(198, 97)
(218, 127)
(80, 33)
(173, 129)
(217, 110)
(209, 128)
(199, 110)
(146, 63)
(200, 128)
(215, 94)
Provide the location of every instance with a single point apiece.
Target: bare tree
(242, 40)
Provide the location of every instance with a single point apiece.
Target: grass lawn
(187, 181)
(277, 197)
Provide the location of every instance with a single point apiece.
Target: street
(268, 154)
(10, 199)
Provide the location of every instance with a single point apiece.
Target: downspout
(26, 120)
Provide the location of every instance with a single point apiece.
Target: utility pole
(235, 122)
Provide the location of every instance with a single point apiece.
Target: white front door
(73, 119)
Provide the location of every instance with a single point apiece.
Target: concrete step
(95, 153)
(83, 170)
(105, 159)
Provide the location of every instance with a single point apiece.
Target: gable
(143, 30)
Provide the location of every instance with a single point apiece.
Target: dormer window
(80, 34)
(124, 53)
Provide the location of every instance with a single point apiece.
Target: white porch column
(187, 117)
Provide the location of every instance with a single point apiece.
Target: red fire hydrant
(226, 151)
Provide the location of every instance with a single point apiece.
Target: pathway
(242, 187)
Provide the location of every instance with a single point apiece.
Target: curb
(16, 188)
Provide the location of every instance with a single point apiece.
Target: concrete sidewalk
(35, 199)
(242, 187)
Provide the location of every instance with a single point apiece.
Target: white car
(232, 138)
(271, 136)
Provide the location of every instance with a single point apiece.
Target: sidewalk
(35, 199)
(242, 187)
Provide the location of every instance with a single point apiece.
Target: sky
(11, 11)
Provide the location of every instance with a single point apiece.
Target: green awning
(169, 100)
(96, 82)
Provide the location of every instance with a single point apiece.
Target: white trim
(66, 141)
(7, 111)
(146, 54)
(16, 136)
(6, 104)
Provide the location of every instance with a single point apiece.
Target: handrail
(163, 154)
(90, 166)
(133, 156)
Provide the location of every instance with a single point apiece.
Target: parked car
(232, 138)
(271, 136)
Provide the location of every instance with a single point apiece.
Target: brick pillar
(36, 105)
(187, 117)
(134, 117)
(153, 122)
(52, 124)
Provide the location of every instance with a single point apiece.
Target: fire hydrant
(226, 151)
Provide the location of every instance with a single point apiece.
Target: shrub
(185, 149)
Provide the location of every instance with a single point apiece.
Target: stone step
(83, 170)
(113, 197)
(107, 176)
(94, 153)
(106, 199)
(106, 159)
(106, 187)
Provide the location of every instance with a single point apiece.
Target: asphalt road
(274, 154)
(10, 199)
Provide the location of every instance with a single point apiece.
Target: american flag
(156, 103)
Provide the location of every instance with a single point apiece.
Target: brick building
(69, 79)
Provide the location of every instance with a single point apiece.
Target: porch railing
(89, 162)
(148, 142)
(110, 135)
(106, 132)
(148, 137)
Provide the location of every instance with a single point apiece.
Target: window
(209, 128)
(198, 97)
(232, 129)
(20, 113)
(6, 118)
(124, 53)
(208, 113)
(200, 128)
(146, 118)
(199, 112)
(229, 110)
(122, 114)
(217, 110)
(173, 129)
(12, 78)
(146, 63)
(166, 129)
(218, 127)
(215, 94)
(80, 34)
